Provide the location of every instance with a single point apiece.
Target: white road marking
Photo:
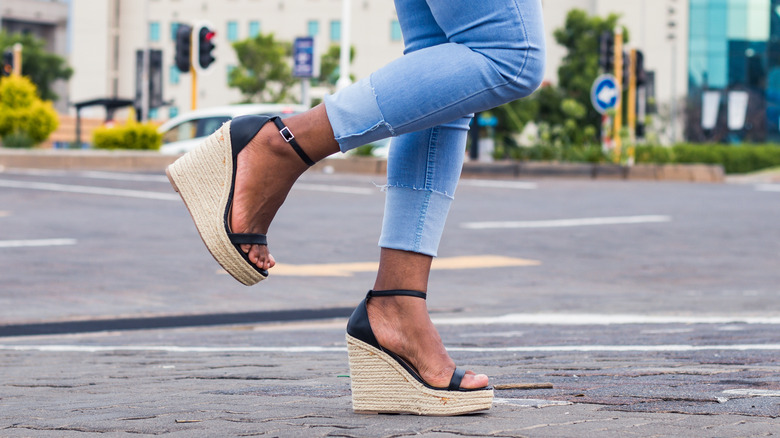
(531, 402)
(147, 178)
(318, 349)
(36, 243)
(498, 184)
(768, 187)
(89, 190)
(559, 223)
(605, 319)
(753, 392)
(117, 176)
(335, 189)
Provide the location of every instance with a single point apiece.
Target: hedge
(130, 136)
(734, 158)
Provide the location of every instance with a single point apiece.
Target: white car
(183, 133)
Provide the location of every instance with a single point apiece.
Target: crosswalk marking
(560, 223)
(36, 243)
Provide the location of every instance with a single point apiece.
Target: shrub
(18, 140)
(653, 154)
(22, 113)
(133, 135)
(734, 158)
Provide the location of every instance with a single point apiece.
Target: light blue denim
(460, 57)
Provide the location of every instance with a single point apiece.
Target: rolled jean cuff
(414, 219)
(355, 116)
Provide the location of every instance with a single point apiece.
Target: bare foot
(401, 324)
(266, 170)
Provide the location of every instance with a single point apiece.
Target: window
(335, 30)
(254, 29)
(173, 75)
(154, 31)
(174, 29)
(232, 31)
(313, 28)
(395, 31)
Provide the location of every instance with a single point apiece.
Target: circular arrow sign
(605, 93)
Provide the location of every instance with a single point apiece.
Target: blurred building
(734, 71)
(107, 33)
(45, 19)
(712, 60)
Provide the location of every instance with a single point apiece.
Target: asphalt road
(652, 308)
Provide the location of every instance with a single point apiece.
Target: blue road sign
(605, 93)
(303, 57)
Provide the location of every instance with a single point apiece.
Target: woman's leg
(493, 54)
(422, 174)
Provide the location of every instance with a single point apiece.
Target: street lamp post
(672, 36)
(346, 19)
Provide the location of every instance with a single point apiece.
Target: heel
(381, 385)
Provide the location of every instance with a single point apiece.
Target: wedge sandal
(382, 382)
(205, 179)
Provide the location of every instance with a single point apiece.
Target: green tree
(264, 73)
(580, 67)
(41, 66)
(329, 65)
(25, 119)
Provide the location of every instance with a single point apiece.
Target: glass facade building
(734, 70)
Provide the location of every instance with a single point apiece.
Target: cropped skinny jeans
(460, 57)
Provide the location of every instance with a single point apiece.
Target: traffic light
(8, 63)
(183, 47)
(607, 51)
(204, 48)
(626, 69)
(641, 75)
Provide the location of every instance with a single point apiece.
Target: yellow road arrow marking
(444, 263)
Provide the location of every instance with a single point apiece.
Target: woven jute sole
(203, 178)
(382, 385)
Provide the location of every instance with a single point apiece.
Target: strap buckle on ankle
(287, 135)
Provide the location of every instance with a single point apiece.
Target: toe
(474, 381)
(260, 256)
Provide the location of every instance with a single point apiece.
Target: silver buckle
(287, 135)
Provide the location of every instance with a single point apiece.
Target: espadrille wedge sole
(383, 383)
(205, 179)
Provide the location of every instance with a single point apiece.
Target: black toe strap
(247, 239)
(457, 377)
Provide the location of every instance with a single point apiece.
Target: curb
(147, 161)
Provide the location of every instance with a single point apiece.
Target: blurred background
(688, 71)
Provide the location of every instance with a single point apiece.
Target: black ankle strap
(290, 138)
(396, 292)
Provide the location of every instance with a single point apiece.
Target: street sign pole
(619, 76)
(632, 107)
(605, 95)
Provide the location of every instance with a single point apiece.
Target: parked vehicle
(184, 132)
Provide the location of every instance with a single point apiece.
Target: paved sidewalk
(132, 383)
